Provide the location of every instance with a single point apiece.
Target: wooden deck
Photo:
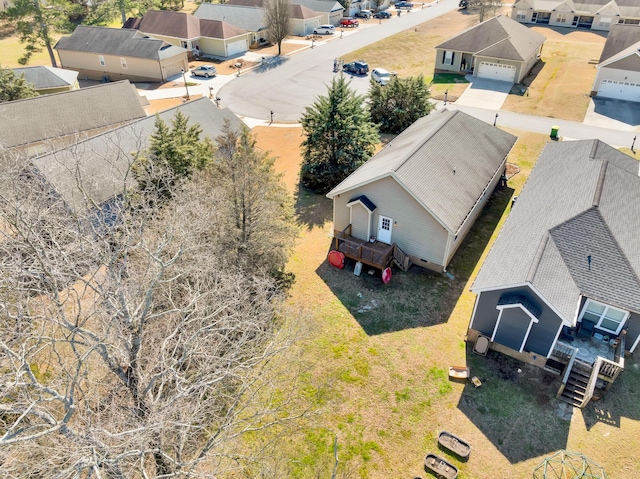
(376, 254)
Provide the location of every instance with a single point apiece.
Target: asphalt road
(287, 86)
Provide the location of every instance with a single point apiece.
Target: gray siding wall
(457, 59)
(468, 223)
(542, 334)
(514, 324)
(528, 65)
(633, 331)
(414, 230)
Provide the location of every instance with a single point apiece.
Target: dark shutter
(453, 55)
(444, 55)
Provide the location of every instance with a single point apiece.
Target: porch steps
(576, 387)
(400, 259)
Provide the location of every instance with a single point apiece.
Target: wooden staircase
(400, 259)
(575, 388)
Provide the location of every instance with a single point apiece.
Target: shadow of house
(515, 407)
(418, 297)
(312, 209)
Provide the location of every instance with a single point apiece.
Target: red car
(348, 22)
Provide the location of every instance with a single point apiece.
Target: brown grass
(561, 82)
(387, 366)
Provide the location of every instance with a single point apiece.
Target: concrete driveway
(483, 93)
(615, 114)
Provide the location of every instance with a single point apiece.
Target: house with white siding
(425, 189)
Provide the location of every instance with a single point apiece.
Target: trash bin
(554, 132)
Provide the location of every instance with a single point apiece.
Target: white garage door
(173, 69)
(236, 47)
(496, 71)
(620, 90)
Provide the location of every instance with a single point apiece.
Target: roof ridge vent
(599, 186)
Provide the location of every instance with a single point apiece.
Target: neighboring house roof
(71, 112)
(123, 42)
(101, 164)
(248, 18)
(498, 37)
(46, 78)
(623, 8)
(622, 48)
(182, 25)
(573, 230)
(301, 12)
(445, 160)
(247, 3)
(324, 6)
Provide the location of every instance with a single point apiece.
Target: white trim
(532, 319)
(520, 285)
(370, 213)
(602, 316)
(553, 344)
(635, 343)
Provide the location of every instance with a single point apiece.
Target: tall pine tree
(340, 137)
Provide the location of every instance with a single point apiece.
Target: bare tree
(277, 17)
(486, 9)
(127, 349)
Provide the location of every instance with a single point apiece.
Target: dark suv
(359, 67)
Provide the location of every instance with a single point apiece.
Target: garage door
(620, 90)
(236, 48)
(173, 69)
(496, 71)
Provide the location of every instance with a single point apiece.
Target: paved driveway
(483, 93)
(616, 114)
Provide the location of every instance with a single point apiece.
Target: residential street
(288, 87)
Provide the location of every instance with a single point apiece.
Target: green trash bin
(554, 132)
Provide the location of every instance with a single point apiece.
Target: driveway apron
(483, 93)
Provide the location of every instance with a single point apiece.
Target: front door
(384, 229)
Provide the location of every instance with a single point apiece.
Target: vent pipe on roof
(589, 261)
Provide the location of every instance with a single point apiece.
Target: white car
(324, 30)
(380, 75)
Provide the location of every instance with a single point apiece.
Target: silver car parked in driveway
(206, 71)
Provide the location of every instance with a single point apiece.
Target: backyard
(384, 351)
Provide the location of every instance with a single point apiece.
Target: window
(101, 60)
(521, 15)
(123, 63)
(561, 18)
(184, 44)
(605, 317)
(447, 58)
(605, 22)
(629, 21)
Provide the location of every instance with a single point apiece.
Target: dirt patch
(284, 144)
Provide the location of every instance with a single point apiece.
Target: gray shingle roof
(68, 113)
(325, 6)
(579, 201)
(182, 25)
(445, 160)
(619, 38)
(45, 78)
(498, 37)
(250, 19)
(123, 42)
(101, 163)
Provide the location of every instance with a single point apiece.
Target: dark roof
(445, 175)
(301, 12)
(101, 164)
(247, 3)
(509, 298)
(46, 78)
(71, 112)
(573, 230)
(498, 37)
(182, 25)
(366, 202)
(123, 42)
(620, 38)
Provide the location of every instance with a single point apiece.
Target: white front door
(384, 229)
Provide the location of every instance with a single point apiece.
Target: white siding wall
(415, 231)
(359, 221)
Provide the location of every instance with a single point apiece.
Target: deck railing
(372, 254)
(567, 371)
